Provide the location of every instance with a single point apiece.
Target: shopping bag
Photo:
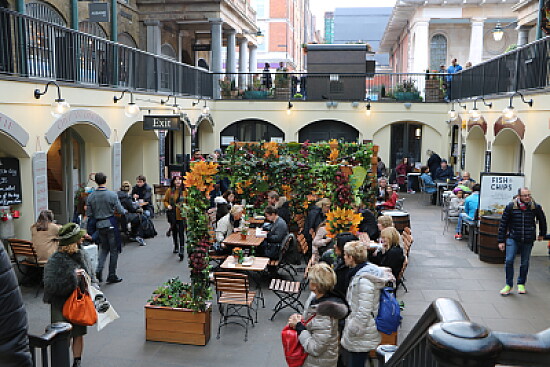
(105, 311)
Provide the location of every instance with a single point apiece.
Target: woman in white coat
(360, 334)
(318, 328)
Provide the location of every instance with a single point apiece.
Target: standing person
(434, 162)
(172, 201)
(280, 203)
(380, 168)
(323, 309)
(143, 193)
(316, 215)
(454, 68)
(360, 334)
(516, 233)
(101, 205)
(197, 156)
(44, 235)
(471, 204)
(266, 77)
(402, 170)
(14, 342)
(61, 277)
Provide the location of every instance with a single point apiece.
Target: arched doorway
(406, 141)
(507, 152)
(250, 130)
(204, 134)
(475, 152)
(540, 176)
(325, 130)
(137, 148)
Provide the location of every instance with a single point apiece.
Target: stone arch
(507, 152)
(251, 130)
(92, 28)
(46, 12)
(328, 129)
(476, 144)
(168, 51)
(90, 124)
(136, 148)
(126, 39)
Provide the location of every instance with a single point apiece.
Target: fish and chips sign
(497, 190)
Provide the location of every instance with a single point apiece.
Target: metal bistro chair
(234, 296)
(25, 257)
(282, 262)
(289, 293)
(446, 217)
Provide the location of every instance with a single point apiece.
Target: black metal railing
(411, 87)
(522, 69)
(56, 341)
(445, 337)
(33, 48)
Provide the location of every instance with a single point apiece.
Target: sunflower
(342, 220)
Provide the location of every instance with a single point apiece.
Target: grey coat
(59, 275)
(278, 232)
(320, 339)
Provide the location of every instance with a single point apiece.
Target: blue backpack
(389, 313)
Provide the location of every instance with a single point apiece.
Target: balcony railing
(37, 49)
(388, 87)
(445, 337)
(526, 68)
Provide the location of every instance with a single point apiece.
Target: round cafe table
(400, 219)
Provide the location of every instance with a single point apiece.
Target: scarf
(522, 205)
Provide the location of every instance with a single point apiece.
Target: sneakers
(521, 289)
(411, 191)
(458, 236)
(141, 241)
(506, 290)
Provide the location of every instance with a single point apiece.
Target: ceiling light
(498, 33)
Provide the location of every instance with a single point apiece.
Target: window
(91, 28)
(262, 8)
(45, 12)
(438, 51)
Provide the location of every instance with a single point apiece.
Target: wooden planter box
(177, 325)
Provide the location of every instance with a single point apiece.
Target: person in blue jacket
(471, 204)
(429, 184)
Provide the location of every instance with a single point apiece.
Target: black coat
(314, 218)
(14, 342)
(146, 194)
(284, 212)
(520, 224)
(434, 162)
(393, 259)
(369, 225)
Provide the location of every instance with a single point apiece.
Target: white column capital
(215, 20)
(477, 21)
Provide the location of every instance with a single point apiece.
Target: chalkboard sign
(10, 181)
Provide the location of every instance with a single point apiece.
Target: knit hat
(70, 233)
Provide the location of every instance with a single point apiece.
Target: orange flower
(201, 176)
(342, 220)
(333, 155)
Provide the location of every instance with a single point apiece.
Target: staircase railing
(56, 341)
(445, 337)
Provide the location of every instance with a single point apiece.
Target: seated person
(271, 246)
(383, 222)
(382, 184)
(368, 224)
(429, 184)
(227, 225)
(390, 199)
(224, 204)
(456, 200)
(391, 254)
(142, 193)
(471, 205)
(466, 180)
(132, 215)
(320, 242)
(44, 236)
(444, 172)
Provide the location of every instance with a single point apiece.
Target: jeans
(178, 233)
(108, 246)
(512, 248)
(357, 359)
(462, 217)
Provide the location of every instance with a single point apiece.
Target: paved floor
(439, 267)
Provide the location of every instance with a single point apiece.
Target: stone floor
(439, 267)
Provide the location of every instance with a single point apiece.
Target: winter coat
(146, 194)
(320, 242)
(320, 339)
(428, 183)
(14, 343)
(283, 210)
(391, 201)
(434, 162)
(173, 197)
(314, 218)
(45, 242)
(454, 206)
(520, 224)
(393, 258)
(60, 279)
(444, 174)
(471, 204)
(369, 224)
(277, 233)
(224, 227)
(360, 333)
(402, 169)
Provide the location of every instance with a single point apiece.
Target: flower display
(342, 220)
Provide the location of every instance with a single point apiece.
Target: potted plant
(178, 312)
(255, 90)
(406, 91)
(238, 255)
(227, 86)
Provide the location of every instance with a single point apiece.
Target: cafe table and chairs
(251, 265)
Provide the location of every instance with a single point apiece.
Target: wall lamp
(290, 105)
(205, 108)
(367, 107)
(332, 104)
(163, 102)
(510, 114)
(453, 114)
(475, 113)
(59, 105)
(131, 109)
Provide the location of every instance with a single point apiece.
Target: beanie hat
(70, 233)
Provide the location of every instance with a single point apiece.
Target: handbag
(294, 351)
(79, 308)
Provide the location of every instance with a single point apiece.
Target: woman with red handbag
(62, 276)
(319, 334)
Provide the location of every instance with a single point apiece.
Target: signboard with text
(99, 12)
(10, 182)
(40, 182)
(497, 190)
(161, 122)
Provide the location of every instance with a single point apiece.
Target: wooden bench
(24, 256)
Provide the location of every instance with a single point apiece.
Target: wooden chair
(289, 293)
(281, 263)
(159, 191)
(401, 278)
(234, 296)
(407, 240)
(25, 257)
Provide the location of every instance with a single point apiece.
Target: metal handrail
(57, 339)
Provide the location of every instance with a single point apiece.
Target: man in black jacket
(144, 195)
(434, 162)
(14, 342)
(518, 231)
(280, 203)
(276, 235)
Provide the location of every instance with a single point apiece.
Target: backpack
(146, 227)
(389, 312)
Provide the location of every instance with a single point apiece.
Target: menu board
(10, 182)
(497, 190)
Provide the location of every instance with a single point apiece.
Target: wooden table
(256, 222)
(234, 239)
(259, 264)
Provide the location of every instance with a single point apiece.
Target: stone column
(180, 46)
(476, 42)
(252, 58)
(216, 61)
(231, 63)
(421, 46)
(153, 46)
(523, 35)
(243, 47)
